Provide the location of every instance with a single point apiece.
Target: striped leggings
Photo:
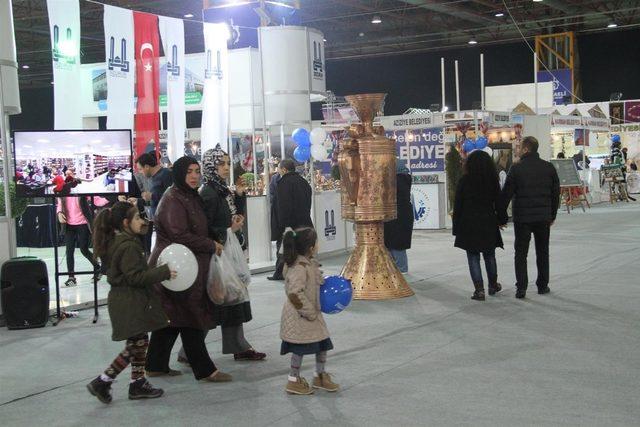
(134, 353)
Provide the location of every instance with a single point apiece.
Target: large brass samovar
(367, 162)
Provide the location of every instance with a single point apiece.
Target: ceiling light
(189, 15)
(612, 25)
(26, 67)
(376, 19)
(499, 15)
(324, 40)
(361, 34)
(473, 41)
(537, 1)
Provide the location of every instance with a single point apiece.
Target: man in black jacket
(535, 187)
(293, 205)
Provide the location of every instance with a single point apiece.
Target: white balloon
(488, 150)
(319, 152)
(318, 135)
(181, 260)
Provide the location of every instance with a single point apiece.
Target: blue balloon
(302, 154)
(335, 294)
(469, 146)
(615, 138)
(301, 137)
(481, 142)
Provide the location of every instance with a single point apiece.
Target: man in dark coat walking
(535, 187)
(293, 205)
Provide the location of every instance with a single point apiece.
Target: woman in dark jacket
(397, 233)
(225, 209)
(180, 218)
(475, 220)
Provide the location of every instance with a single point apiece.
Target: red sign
(147, 47)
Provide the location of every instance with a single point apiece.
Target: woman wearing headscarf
(224, 209)
(180, 218)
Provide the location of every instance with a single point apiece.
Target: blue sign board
(424, 148)
(562, 84)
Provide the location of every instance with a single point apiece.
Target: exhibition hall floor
(437, 358)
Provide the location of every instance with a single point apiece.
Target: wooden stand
(571, 198)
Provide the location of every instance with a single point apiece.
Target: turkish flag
(147, 121)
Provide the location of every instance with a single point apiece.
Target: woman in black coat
(475, 220)
(225, 209)
(397, 233)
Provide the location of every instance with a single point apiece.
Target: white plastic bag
(235, 255)
(229, 274)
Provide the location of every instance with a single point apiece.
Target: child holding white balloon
(134, 308)
(302, 328)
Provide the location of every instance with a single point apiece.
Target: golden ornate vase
(367, 163)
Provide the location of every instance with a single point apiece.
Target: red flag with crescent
(147, 47)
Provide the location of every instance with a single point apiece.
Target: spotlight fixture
(361, 34)
(26, 67)
(376, 19)
(324, 40)
(499, 15)
(612, 25)
(188, 15)
(473, 41)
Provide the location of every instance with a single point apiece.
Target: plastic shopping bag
(235, 254)
(224, 286)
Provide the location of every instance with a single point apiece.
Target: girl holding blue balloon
(302, 328)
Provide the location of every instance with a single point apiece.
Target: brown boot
(323, 381)
(298, 385)
(478, 295)
(493, 288)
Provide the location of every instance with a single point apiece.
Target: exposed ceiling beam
(458, 12)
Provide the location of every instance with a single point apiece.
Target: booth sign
(423, 148)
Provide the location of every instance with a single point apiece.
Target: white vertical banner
(215, 110)
(119, 45)
(316, 55)
(64, 26)
(172, 34)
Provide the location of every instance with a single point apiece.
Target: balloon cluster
(481, 143)
(309, 144)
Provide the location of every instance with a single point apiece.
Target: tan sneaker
(219, 377)
(298, 386)
(323, 381)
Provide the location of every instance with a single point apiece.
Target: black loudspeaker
(25, 293)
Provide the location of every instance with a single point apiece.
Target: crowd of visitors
(194, 205)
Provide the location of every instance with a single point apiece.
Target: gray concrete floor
(437, 358)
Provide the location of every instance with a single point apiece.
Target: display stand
(614, 176)
(59, 273)
(574, 196)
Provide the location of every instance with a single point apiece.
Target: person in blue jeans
(475, 220)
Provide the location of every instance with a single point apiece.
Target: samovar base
(373, 273)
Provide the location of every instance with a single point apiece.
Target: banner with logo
(172, 33)
(328, 221)
(64, 25)
(426, 207)
(316, 49)
(215, 110)
(562, 84)
(423, 148)
(120, 67)
(147, 44)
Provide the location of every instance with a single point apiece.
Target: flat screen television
(72, 163)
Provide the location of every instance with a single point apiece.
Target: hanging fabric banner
(147, 120)
(120, 62)
(215, 110)
(172, 33)
(64, 25)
